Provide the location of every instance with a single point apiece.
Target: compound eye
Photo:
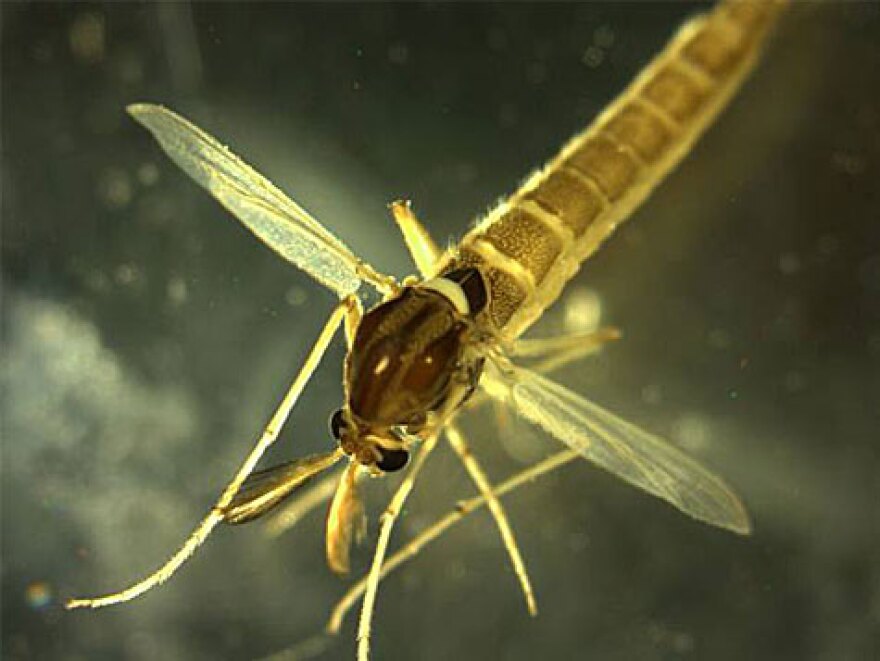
(392, 460)
(337, 424)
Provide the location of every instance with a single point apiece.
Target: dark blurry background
(147, 337)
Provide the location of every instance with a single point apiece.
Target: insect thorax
(411, 357)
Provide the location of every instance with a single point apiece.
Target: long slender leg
(422, 248)
(386, 522)
(557, 352)
(573, 345)
(458, 443)
(464, 508)
(311, 498)
(215, 516)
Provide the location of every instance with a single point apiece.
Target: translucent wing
(265, 489)
(640, 458)
(277, 220)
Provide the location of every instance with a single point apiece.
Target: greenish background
(147, 337)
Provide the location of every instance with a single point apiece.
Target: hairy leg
(414, 546)
(460, 445)
(422, 248)
(215, 516)
(386, 523)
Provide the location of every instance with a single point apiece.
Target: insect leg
(417, 543)
(386, 522)
(568, 347)
(558, 352)
(217, 513)
(562, 351)
(458, 443)
(326, 487)
(422, 248)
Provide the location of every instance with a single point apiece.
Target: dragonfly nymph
(447, 339)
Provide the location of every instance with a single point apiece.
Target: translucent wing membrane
(640, 458)
(265, 489)
(277, 220)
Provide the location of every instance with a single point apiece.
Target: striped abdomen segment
(529, 246)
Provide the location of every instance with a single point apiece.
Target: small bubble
(87, 37)
(126, 274)
(692, 431)
(848, 163)
(789, 263)
(97, 281)
(148, 174)
(652, 394)
(114, 188)
(682, 643)
(177, 290)
(718, 338)
(296, 296)
(593, 57)
(38, 595)
(583, 310)
(604, 36)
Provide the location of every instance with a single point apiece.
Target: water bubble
(38, 595)
(86, 37)
(583, 310)
(789, 263)
(114, 188)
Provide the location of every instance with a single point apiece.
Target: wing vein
(642, 459)
(278, 221)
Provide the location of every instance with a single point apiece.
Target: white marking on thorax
(451, 291)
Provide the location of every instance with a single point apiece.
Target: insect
(438, 342)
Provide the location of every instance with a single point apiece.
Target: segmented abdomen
(529, 246)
